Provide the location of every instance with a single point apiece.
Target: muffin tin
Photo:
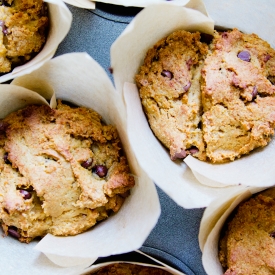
(174, 239)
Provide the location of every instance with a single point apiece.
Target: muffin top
(247, 244)
(215, 99)
(23, 31)
(62, 171)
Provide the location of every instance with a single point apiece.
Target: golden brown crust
(70, 164)
(232, 94)
(248, 246)
(237, 95)
(168, 83)
(23, 31)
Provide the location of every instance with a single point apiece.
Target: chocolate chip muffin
(216, 100)
(62, 171)
(238, 95)
(129, 269)
(247, 244)
(168, 83)
(23, 31)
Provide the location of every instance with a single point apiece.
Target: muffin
(213, 100)
(247, 244)
(62, 171)
(129, 269)
(237, 95)
(169, 88)
(23, 25)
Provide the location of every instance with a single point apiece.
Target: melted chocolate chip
(193, 150)
(100, 170)
(187, 87)
(267, 57)
(13, 232)
(254, 92)
(244, 55)
(26, 194)
(179, 155)
(166, 73)
(87, 164)
(3, 26)
(5, 157)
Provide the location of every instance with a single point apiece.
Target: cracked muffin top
(23, 31)
(62, 171)
(213, 100)
(247, 244)
(168, 83)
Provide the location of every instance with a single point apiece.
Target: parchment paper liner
(212, 222)
(160, 265)
(79, 79)
(60, 23)
(188, 189)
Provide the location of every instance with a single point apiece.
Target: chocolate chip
(87, 163)
(5, 157)
(189, 63)
(244, 55)
(26, 194)
(3, 126)
(166, 73)
(193, 150)
(267, 57)
(186, 87)
(12, 230)
(224, 35)
(254, 92)
(179, 155)
(272, 234)
(100, 170)
(3, 26)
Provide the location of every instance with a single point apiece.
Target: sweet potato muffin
(62, 171)
(23, 31)
(247, 244)
(215, 101)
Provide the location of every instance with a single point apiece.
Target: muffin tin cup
(212, 223)
(190, 183)
(60, 19)
(149, 262)
(78, 79)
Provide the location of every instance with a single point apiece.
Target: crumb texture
(62, 171)
(247, 244)
(23, 31)
(215, 100)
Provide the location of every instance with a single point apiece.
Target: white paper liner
(161, 265)
(211, 225)
(60, 23)
(79, 79)
(188, 189)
